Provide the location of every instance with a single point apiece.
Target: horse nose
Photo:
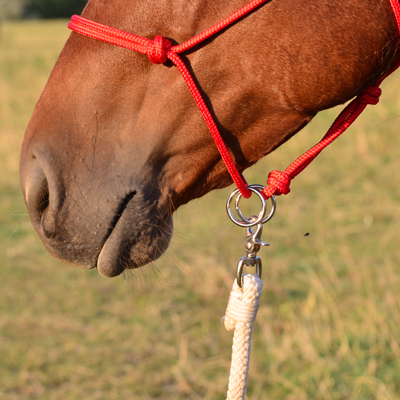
(41, 197)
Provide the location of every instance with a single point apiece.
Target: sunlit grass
(328, 325)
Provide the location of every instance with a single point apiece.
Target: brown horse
(116, 144)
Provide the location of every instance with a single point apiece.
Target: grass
(328, 325)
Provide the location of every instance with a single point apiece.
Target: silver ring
(268, 217)
(245, 222)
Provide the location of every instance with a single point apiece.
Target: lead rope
(247, 289)
(240, 315)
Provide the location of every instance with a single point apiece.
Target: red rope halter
(160, 50)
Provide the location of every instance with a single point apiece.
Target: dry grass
(328, 326)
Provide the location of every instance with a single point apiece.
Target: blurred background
(329, 321)
(17, 9)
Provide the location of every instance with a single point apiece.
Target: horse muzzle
(100, 222)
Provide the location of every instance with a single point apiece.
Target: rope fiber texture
(160, 50)
(240, 315)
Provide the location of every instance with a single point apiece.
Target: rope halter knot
(370, 95)
(278, 183)
(158, 50)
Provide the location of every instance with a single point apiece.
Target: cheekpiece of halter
(253, 241)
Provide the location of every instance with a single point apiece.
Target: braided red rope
(279, 182)
(161, 49)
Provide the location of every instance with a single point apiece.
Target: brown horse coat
(116, 143)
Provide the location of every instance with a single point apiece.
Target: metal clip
(253, 242)
(252, 245)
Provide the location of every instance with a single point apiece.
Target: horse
(116, 144)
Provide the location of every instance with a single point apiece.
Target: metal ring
(268, 217)
(242, 263)
(245, 222)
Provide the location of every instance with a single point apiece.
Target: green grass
(328, 325)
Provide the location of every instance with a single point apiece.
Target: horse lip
(118, 215)
(131, 241)
(121, 208)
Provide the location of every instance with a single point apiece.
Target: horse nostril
(42, 201)
(36, 190)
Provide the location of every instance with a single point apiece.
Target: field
(329, 321)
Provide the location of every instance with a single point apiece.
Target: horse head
(116, 144)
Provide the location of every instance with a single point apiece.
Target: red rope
(279, 182)
(161, 49)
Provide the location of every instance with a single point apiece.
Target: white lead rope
(240, 315)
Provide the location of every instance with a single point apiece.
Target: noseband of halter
(160, 50)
